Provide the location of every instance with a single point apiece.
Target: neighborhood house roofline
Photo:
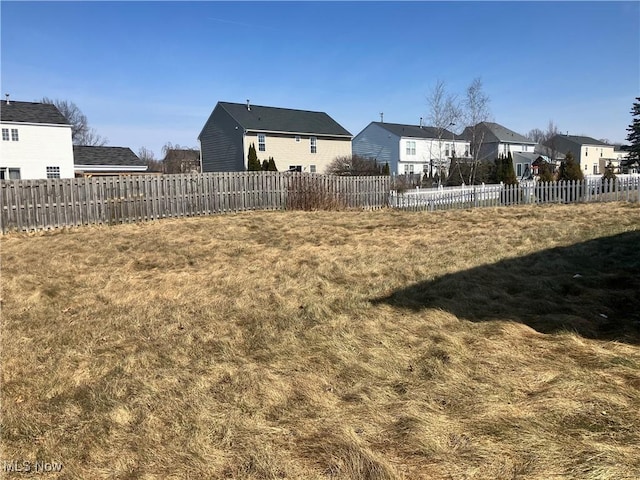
(105, 157)
(416, 131)
(33, 113)
(278, 120)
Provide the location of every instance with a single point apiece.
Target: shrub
(253, 164)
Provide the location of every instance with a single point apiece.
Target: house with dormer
(36, 141)
(297, 140)
(410, 149)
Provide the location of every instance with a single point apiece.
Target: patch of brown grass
(248, 346)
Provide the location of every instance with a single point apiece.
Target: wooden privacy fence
(588, 190)
(28, 205)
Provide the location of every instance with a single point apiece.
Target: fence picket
(28, 205)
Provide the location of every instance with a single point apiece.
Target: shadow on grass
(591, 288)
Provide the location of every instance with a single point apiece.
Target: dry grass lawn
(487, 344)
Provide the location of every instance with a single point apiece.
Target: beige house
(297, 140)
(592, 155)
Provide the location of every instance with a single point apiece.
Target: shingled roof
(118, 156)
(416, 131)
(31, 112)
(273, 119)
(496, 133)
(581, 140)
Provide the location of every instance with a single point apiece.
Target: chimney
(248, 105)
(7, 95)
(420, 122)
(381, 117)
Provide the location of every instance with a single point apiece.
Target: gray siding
(221, 143)
(376, 142)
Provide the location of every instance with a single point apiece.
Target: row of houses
(36, 143)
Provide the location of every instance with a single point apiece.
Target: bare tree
(547, 139)
(444, 112)
(81, 133)
(536, 135)
(354, 165)
(475, 110)
(148, 157)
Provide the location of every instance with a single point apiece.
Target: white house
(298, 140)
(36, 142)
(410, 148)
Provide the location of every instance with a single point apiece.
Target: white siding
(430, 154)
(38, 147)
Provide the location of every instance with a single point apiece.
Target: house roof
(527, 157)
(496, 133)
(416, 131)
(580, 140)
(31, 112)
(188, 154)
(115, 156)
(273, 119)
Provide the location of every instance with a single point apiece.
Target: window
(446, 149)
(411, 147)
(14, 134)
(411, 168)
(519, 169)
(262, 140)
(295, 168)
(595, 169)
(586, 151)
(5, 134)
(9, 173)
(312, 143)
(53, 172)
(312, 168)
(297, 138)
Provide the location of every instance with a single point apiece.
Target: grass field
(498, 343)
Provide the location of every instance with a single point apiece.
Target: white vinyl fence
(623, 188)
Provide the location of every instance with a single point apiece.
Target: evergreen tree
(570, 169)
(634, 134)
(385, 169)
(253, 164)
(271, 167)
(265, 165)
(609, 177)
(544, 172)
(508, 173)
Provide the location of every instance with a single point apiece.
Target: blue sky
(147, 73)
